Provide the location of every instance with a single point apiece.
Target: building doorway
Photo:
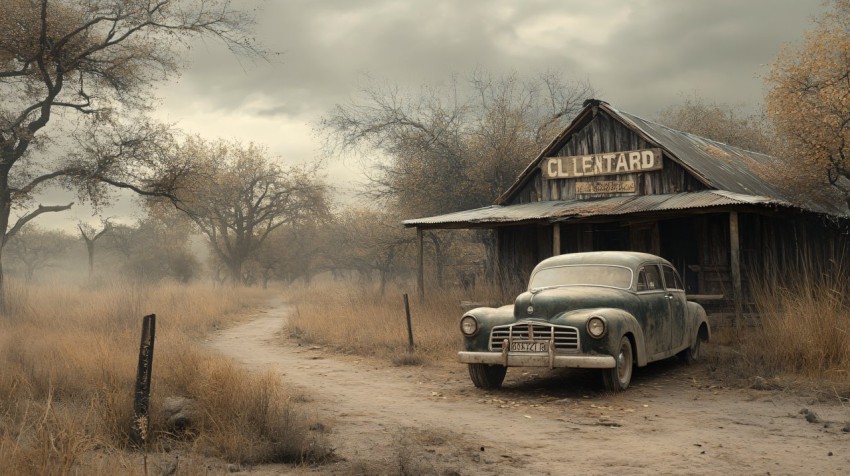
(680, 246)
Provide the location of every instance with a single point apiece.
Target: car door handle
(668, 296)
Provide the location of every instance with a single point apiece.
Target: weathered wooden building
(614, 181)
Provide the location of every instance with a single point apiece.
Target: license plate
(529, 346)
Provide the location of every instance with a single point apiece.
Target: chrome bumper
(538, 360)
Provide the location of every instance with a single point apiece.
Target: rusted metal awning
(555, 211)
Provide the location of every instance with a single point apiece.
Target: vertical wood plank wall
(605, 134)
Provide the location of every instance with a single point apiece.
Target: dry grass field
(355, 318)
(803, 336)
(68, 358)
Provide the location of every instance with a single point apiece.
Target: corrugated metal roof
(723, 166)
(553, 211)
(716, 164)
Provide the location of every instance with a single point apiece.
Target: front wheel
(618, 378)
(487, 376)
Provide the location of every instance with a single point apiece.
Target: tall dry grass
(802, 332)
(354, 317)
(68, 357)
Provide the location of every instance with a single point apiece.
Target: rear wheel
(487, 376)
(618, 378)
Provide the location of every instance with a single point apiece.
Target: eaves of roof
(554, 211)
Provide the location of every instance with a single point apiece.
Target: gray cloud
(639, 53)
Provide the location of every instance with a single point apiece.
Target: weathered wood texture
(520, 249)
(604, 134)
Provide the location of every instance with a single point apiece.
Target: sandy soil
(431, 420)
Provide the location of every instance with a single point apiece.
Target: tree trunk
(488, 239)
(235, 268)
(90, 249)
(5, 212)
(439, 260)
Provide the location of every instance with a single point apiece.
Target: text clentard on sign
(602, 164)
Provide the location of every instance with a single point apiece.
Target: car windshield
(582, 275)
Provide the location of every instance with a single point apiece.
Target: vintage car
(604, 310)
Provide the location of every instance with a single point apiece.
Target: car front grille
(566, 338)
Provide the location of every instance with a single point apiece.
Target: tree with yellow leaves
(809, 103)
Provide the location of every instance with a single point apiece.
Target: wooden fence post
(420, 266)
(409, 326)
(141, 398)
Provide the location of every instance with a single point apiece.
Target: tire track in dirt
(382, 417)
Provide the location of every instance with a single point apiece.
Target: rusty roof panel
(718, 165)
(552, 211)
(726, 167)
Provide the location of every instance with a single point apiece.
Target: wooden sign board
(625, 186)
(601, 164)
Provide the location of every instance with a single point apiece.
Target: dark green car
(608, 310)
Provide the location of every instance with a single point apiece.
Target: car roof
(631, 259)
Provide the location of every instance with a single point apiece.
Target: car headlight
(468, 326)
(596, 327)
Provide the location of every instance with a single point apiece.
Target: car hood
(549, 303)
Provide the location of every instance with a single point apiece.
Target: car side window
(671, 279)
(649, 278)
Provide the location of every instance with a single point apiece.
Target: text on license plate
(529, 346)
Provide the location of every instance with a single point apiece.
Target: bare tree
(369, 242)
(294, 251)
(241, 196)
(454, 147)
(36, 249)
(156, 247)
(90, 236)
(95, 60)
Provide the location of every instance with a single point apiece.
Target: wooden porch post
(420, 273)
(497, 261)
(556, 239)
(735, 248)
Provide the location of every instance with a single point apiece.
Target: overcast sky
(641, 56)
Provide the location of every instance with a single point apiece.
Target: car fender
(619, 323)
(487, 318)
(697, 317)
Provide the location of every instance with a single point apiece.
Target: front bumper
(514, 359)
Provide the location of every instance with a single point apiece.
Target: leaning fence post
(142, 395)
(409, 328)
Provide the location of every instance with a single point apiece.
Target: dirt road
(430, 420)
